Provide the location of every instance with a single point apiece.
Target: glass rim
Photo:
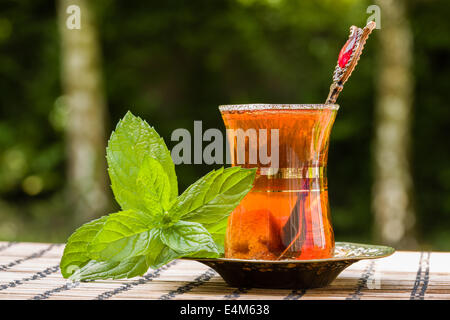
(281, 106)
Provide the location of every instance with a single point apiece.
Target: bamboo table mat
(31, 271)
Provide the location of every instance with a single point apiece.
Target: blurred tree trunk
(392, 197)
(85, 132)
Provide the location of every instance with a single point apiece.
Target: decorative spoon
(293, 233)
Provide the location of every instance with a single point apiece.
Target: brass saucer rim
(386, 252)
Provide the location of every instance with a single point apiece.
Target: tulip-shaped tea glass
(286, 215)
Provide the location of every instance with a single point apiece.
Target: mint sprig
(155, 225)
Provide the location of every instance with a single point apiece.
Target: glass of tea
(286, 215)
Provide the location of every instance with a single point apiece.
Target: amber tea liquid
(286, 215)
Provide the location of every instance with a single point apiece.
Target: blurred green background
(173, 62)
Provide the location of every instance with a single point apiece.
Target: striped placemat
(30, 271)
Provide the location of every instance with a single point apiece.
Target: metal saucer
(293, 274)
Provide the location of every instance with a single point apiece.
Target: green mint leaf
(189, 238)
(127, 268)
(129, 146)
(212, 198)
(217, 231)
(124, 234)
(132, 263)
(160, 254)
(153, 186)
(75, 254)
(96, 270)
